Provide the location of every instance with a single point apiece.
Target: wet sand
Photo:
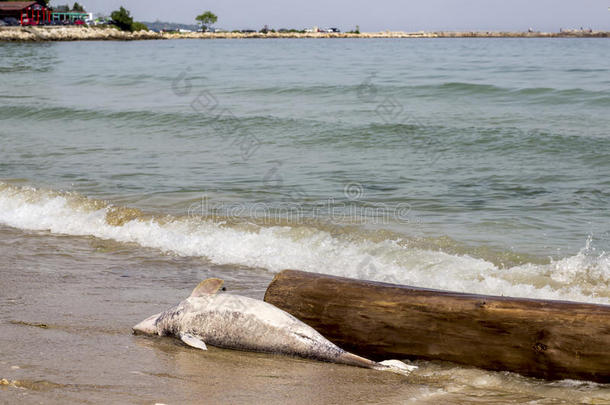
(68, 305)
(65, 334)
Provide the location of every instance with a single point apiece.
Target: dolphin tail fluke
(395, 366)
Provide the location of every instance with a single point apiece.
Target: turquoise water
(489, 151)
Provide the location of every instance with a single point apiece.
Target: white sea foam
(582, 277)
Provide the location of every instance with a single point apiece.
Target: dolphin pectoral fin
(207, 287)
(193, 341)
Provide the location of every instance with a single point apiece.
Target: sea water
(474, 165)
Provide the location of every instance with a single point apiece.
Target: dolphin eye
(224, 289)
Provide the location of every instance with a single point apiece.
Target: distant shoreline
(33, 34)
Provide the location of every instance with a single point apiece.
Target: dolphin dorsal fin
(207, 287)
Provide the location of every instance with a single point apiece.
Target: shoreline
(36, 34)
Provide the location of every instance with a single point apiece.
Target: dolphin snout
(147, 326)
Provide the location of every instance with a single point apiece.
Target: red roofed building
(27, 12)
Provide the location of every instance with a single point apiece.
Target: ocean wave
(63, 113)
(370, 92)
(27, 58)
(582, 277)
(316, 90)
(525, 95)
(191, 118)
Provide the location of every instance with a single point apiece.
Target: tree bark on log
(539, 338)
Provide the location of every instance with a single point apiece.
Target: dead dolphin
(236, 322)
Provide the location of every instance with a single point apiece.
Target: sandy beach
(65, 337)
(111, 34)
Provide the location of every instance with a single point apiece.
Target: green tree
(138, 26)
(122, 19)
(77, 7)
(206, 20)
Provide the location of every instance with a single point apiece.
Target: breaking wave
(582, 277)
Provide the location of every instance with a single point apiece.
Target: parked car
(27, 21)
(12, 22)
(79, 22)
(44, 22)
(2, 23)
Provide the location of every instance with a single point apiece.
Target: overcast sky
(405, 15)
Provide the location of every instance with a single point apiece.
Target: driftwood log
(539, 338)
